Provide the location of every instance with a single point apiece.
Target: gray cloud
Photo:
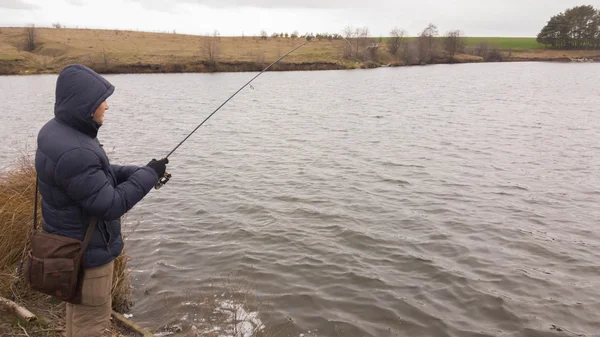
(473, 17)
(16, 4)
(339, 4)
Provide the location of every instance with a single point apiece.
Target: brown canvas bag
(54, 264)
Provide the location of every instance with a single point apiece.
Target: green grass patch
(506, 42)
(517, 43)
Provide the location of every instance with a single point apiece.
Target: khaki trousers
(91, 317)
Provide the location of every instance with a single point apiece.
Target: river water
(447, 200)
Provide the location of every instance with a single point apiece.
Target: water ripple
(424, 204)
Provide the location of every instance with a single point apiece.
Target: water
(425, 201)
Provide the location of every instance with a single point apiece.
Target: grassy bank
(115, 51)
(17, 188)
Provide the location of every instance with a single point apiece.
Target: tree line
(427, 47)
(575, 28)
(295, 35)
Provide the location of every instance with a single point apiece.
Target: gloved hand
(160, 166)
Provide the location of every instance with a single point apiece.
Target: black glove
(160, 166)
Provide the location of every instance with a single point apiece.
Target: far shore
(122, 52)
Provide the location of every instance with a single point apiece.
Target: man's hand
(160, 166)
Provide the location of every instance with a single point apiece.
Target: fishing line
(167, 176)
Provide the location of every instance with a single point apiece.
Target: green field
(506, 42)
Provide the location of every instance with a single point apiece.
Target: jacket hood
(79, 92)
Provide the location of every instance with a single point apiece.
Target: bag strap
(88, 234)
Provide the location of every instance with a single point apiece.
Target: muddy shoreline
(17, 68)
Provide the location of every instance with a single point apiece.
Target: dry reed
(16, 218)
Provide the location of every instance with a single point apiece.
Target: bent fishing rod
(167, 176)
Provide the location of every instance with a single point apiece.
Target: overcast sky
(234, 17)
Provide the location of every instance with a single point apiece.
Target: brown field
(118, 49)
(131, 51)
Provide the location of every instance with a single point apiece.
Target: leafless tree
(371, 51)
(366, 43)
(348, 33)
(357, 40)
(358, 43)
(397, 37)
(454, 43)
(57, 25)
(482, 49)
(427, 46)
(30, 38)
(263, 34)
(211, 46)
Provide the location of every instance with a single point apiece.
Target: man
(77, 182)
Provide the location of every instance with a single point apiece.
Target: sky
(510, 18)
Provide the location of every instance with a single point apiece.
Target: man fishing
(77, 184)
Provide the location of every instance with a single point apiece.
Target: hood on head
(79, 92)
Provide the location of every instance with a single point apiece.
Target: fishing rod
(167, 176)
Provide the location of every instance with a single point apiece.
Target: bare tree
(427, 41)
(454, 43)
(30, 38)
(348, 34)
(211, 46)
(369, 49)
(482, 49)
(357, 32)
(396, 40)
(263, 34)
(57, 25)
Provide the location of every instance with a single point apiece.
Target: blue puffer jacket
(76, 179)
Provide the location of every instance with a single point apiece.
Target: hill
(115, 51)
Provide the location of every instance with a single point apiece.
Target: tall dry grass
(17, 187)
(17, 195)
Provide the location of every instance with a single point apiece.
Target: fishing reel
(162, 181)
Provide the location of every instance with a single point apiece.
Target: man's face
(99, 114)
